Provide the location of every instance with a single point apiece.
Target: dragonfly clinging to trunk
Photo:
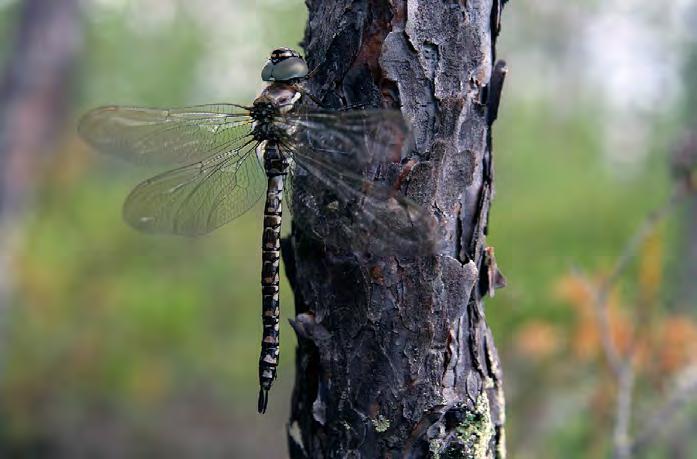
(225, 153)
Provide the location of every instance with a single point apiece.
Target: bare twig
(680, 192)
(602, 314)
(623, 367)
(602, 292)
(623, 412)
(685, 390)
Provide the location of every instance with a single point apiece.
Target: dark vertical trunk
(395, 357)
(35, 92)
(34, 95)
(689, 254)
(684, 163)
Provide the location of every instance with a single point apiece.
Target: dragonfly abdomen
(276, 168)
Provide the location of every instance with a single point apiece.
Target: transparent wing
(362, 214)
(166, 136)
(350, 139)
(195, 199)
(356, 212)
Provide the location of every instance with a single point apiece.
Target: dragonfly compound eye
(284, 65)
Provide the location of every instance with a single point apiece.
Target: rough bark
(395, 358)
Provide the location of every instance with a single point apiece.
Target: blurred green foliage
(558, 206)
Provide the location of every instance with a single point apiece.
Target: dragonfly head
(284, 64)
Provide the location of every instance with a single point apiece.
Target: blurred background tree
(119, 344)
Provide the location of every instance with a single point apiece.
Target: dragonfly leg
(319, 103)
(313, 98)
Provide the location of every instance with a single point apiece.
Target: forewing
(357, 213)
(350, 140)
(166, 136)
(195, 199)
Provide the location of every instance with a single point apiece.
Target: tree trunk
(34, 99)
(396, 359)
(684, 166)
(684, 163)
(35, 92)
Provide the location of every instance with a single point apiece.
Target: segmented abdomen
(271, 257)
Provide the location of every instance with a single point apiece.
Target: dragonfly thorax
(281, 96)
(264, 127)
(276, 99)
(263, 113)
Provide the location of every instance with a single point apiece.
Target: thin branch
(623, 368)
(686, 390)
(602, 315)
(623, 412)
(680, 192)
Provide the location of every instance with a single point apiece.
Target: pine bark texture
(395, 358)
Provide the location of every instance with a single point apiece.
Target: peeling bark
(395, 358)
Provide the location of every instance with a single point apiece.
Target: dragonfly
(225, 157)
